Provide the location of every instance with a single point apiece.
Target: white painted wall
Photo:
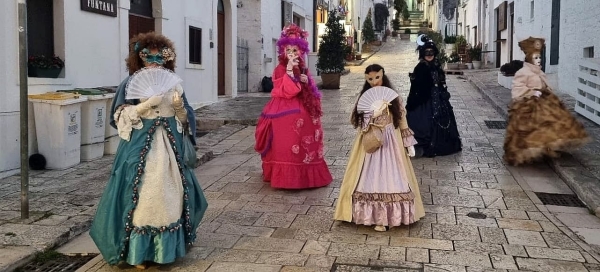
(94, 48)
(270, 29)
(579, 28)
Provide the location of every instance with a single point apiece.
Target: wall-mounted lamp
(239, 4)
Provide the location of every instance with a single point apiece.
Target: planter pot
(469, 65)
(462, 66)
(349, 57)
(43, 72)
(476, 64)
(330, 81)
(358, 57)
(449, 48)
(452, 66)
(405, 36)
(505, 81)
(377, 43)
(394, 34)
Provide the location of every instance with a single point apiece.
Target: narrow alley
(481, 214)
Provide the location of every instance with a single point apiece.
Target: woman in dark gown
(429, 113)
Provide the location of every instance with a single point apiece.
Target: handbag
(372, 137)
(190, 159)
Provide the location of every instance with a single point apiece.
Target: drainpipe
(315, 34)
(23, 104)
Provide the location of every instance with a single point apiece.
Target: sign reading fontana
(104, 7)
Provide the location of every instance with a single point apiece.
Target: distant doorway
(221, 47)
(140, 17)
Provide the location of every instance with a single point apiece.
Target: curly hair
(395, 107)
(148, 40)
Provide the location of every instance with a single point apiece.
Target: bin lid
(54, 96)
(84, 91)
(109, 89)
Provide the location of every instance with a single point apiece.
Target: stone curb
(204, 155)
(74, 230)
(570, 170)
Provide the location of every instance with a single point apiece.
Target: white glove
(148, 104)
(537, 93)
(411, 151)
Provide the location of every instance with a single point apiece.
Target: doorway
(141, 19)
(221, 48)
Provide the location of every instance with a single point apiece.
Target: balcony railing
(588, 89)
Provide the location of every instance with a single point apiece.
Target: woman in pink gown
(289, 135)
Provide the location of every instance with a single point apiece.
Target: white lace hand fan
(151, 81)
(374, 99)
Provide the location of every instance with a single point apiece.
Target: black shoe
(419, 152)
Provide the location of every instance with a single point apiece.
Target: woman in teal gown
(152, 204)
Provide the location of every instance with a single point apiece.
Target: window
(40, 28)
(195, 45)
(531, 10)
(588, 52)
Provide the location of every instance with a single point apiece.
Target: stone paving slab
(62, 204)
(580, 169)
(252, 227)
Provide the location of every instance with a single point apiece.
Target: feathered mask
(424, 43)
(292, 35)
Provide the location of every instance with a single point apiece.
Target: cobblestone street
(252, 227)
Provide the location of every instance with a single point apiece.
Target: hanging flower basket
(45, 67)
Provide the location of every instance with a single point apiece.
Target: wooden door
(140, 18)
(221, 52)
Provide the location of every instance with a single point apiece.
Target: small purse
(372, 138)
(190, 159)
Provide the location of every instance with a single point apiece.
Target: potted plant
(405, 35)
(405, 16)
(43, 66)
(453, 61)
(396, 27)
(507, 71)
(330, 58)
(368, 33)
(475, 56)
(349, 53)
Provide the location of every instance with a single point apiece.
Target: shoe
(380, 228)
(419, 152)
(142, 266)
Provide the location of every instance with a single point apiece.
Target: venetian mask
(536, 59)
(155, 56)
(375, 78)
(292, 51)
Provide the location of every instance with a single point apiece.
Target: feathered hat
(423, 43)
(292, 35)
(532, 45)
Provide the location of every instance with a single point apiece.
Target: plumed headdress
(532, 45)
(423, 43)
(292, 35)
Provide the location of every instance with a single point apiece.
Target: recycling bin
(58, 128)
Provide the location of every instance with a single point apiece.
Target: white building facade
(92, 37)
(570, 29)
(260, 24)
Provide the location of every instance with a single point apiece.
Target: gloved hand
(180, 110)
(537, 93)
(292, 61)
(411, 151)
(145, 106)
(177, 101)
